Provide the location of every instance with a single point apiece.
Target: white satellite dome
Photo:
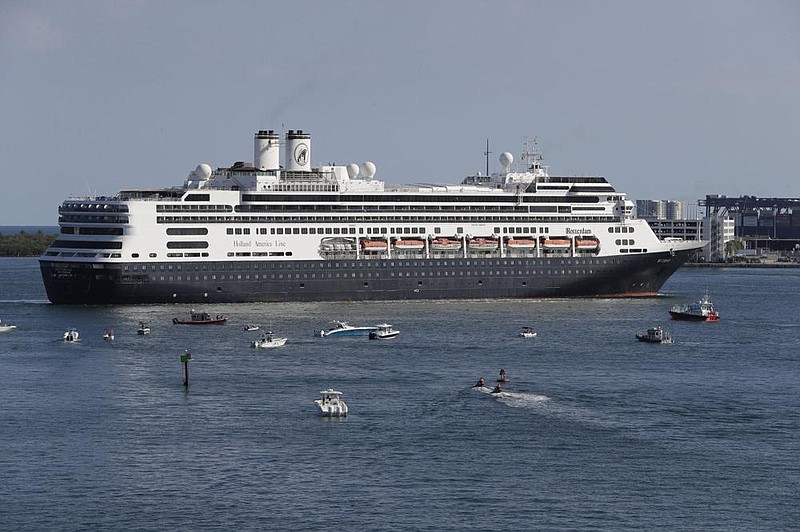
(203, 171)
(368, 169)
(506, 159)
(353, 170)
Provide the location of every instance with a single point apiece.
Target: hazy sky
(674, 99)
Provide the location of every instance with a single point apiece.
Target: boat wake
(515, 399)
(522, 399)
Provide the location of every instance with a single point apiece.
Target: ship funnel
(267, 150)
(298, 151)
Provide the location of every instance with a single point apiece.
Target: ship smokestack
(267, 150)
(298, 151)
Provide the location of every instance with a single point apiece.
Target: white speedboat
(268, 341)
(330, 404)
(383, 332)
(527, 332)
(342, 328)
(71, 335)
(143, 329)
(5, 327)
(109, 334)
(251, 327)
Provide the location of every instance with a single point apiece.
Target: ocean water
(597, 431)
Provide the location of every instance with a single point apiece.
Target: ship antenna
(486, 153)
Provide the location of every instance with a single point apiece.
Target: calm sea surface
(598, 431)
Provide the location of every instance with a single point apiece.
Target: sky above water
(669, 100)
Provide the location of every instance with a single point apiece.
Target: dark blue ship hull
(357, 280)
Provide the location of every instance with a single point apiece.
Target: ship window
(152, 255)
(630, 229)
(135, 255)
(312, 230)
(246, 230)
(280, 230)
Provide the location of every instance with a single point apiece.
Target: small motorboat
(655, 335)
(251, 327)
(268, 341)
(108, 334)
(702, 310)
(384, 332)
(5, 327)
(331, 404)
(201, 318)
(342, 328)
(143, 329)
(71, 335)
(527, 332)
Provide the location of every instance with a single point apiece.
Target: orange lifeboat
(483, 244)
(520, 243)
(374, 245)
(409, 245)
(557, 243)
(587, 244)
(445, 244)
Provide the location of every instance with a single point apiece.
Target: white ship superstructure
(271, 232)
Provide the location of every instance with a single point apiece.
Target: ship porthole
(174, 295)
(205, 294)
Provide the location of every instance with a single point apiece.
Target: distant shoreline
(16, 229)
(742, 265)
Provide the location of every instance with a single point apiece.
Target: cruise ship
(289, 231)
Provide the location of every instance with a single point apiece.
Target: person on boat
(498, 388)
(480, 383)
(269, 337)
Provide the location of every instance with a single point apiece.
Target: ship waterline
(265, 232)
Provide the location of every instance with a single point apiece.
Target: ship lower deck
(357, 280)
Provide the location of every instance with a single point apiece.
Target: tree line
(24, 244)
